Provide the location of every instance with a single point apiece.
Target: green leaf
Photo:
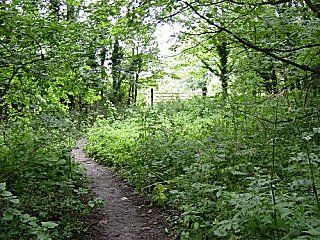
(14, 200)
(49, 224)
(285, 212)
(196, 225)
(313, 232)
(26, 218)
(294, 233)
(61, 162)
(2, 186)
(7, 216)
(6, 194)
(209, 15)
(43, 236)
(91, 204)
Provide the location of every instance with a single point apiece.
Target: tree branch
(199, 34)
(14, 73)
(313, 7)
(263, 3)
(206, 65)
(248, 44)
(189, 48)
(293, 49)
(173, 14)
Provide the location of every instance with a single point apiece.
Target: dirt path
(125, 216)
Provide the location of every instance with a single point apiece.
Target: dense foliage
(229, 174)
(273, 45)
(61, 64)
(42, 191)
(241, 165)
(244, 165)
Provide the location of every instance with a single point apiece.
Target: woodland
(239, 163)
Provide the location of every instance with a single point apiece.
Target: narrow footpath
(125, 215)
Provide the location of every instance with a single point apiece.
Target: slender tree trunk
(130, 94)
(115, 72)
(270, 80)
(223, 53)
(136, 88)
(55, 7)
(71, 13)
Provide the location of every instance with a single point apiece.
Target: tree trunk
(71, 13)
(136, 85)
(269, 77)
(115, 71)
(223, 58)
(55, 7)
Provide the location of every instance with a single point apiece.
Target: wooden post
(151, 97)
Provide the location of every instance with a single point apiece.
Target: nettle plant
(227, 175)
(11, 215)
(43, 191)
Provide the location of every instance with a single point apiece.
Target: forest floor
(125, 215)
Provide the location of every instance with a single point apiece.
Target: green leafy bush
(231, 171)
(42, 190)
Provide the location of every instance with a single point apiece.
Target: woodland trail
(125, 215)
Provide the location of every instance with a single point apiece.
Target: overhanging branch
(313, 7)
(248, 44)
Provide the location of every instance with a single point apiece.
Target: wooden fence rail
(154, 97)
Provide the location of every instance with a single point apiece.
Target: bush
(42, 190)
(231, 173)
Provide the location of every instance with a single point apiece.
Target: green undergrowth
(233, 171)
(43, 192)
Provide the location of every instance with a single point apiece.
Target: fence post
(151, 97)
